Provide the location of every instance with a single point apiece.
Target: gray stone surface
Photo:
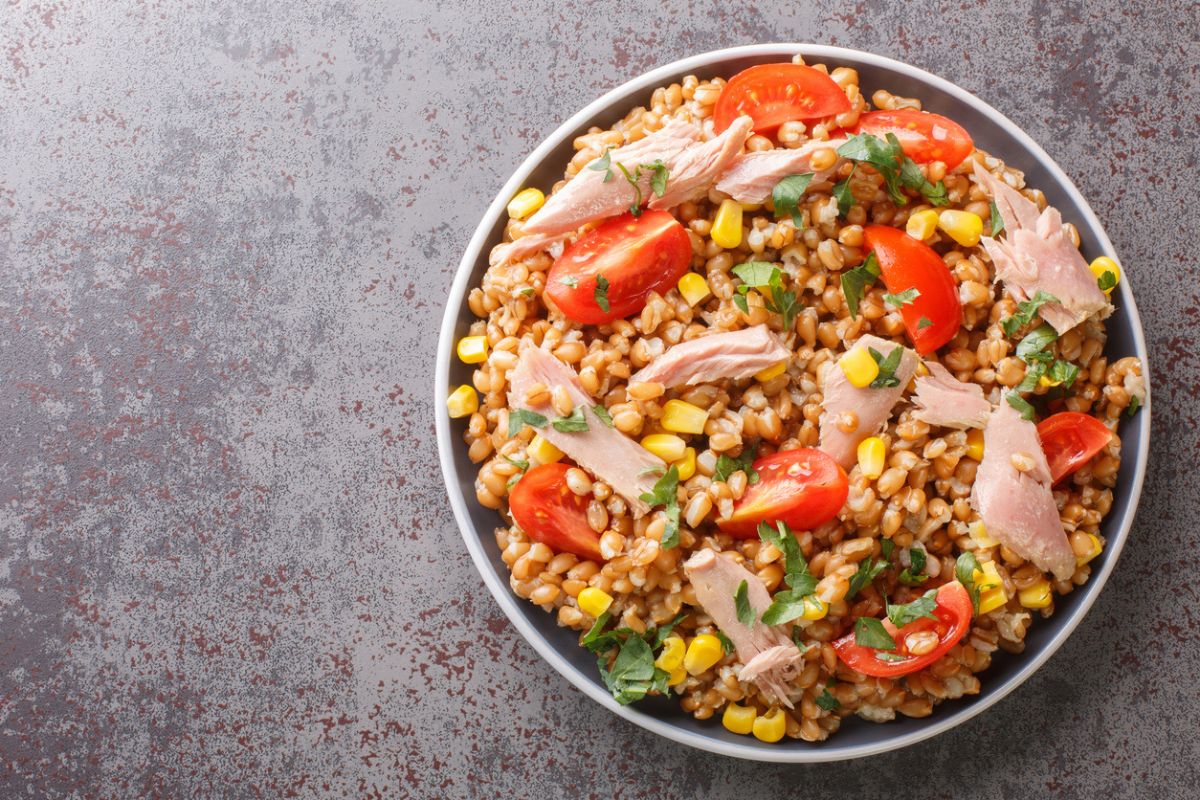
(227, 564)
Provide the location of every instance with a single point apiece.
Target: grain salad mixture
(793, 402)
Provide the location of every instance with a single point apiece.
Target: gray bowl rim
(947, 715)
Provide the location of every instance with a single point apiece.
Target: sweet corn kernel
(678, 676)
(975, 444)
(693, 288)
(963, 227)
(1046, 382)
(1036, 596)
(687, 464)
(814, 608)
(871, 452)
(542, 451)
(704, 651)
(671, 657)
(770, 727)
(739, 719)
(462, 402)
(859, 367)
(525, 202)
(922, 370)
(991, 587)
(1105, 264)
(979, 533)
(473, 349)
(727, 225)
(683, 417)
(991, 600)
(771, 373)
(1097, 549)
(666, 446)
(922, 224)
(594, 601)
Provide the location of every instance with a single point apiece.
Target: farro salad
(792, 403)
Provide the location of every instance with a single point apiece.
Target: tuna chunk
(523, 247)
(873, 406)
(696, 169)
(767, 653)
(603, 451)
(942, 399)
(1036, 255)
(737, 354)
(1018, 508)
(753, 176)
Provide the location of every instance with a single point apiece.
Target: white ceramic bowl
(993, 132)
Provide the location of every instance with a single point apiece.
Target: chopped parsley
(526, 291)
(1034, 346)
(741, 602)
(997, 220)
(788, 604)
(1020, 404)
(855, 282)
(921, 608)
(914, 575)
(898, 170)
(787, 194)
(661, 633)
(519, 463)
(798, 639)
(923, 323)
(575, 423)
(887, 367)
(633, 674)
(635, 208)
(570, 281)
(964, 570)
(1025, 312)
(902, 299)
(658, 182)
(602, 414)
(869, 632)
(665, 493)
(886, 547)
(601, 293)
(726, 643)
(658, 176)
(604, 164)
(726, 466)
(1135, 403)
(827, 701)
(1062, 372)
(518, 418)
(1107, 280)
(763, 275)
(868, 571)
(843, 195)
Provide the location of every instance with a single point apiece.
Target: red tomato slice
(548, 511)
(1070, 440)
(773, 94)
(954, 613)
(935, 315)
(636, 255)
(923, 137)
(805, 488)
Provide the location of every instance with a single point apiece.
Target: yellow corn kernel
(991, 587)
(771, 373)
(1046, 383)
(922, 370)
(991, 600)
(922, 224)
(739, 719)
(678, 676)
(693, 288)
(683, 417)
(704, 651)
(671, 657)
(975, 444)
(1036, 596)
(963, 227)
(770, 727)
(979, 533)
(687, 464)
(814, 608)
(1105, 264)
(463, 402)
(727, 225)
(473, 349)
(1097, 549)
(666, 446)
(859, 366)
(525, 202)
(542, 451)
(871, 452)
(594, 601)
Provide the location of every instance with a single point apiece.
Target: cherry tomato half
(636, 255)
(935, 315)
(804, 488)
(954, 613)
(548, 511)
(773, 94)
(923, 136)
(1070, 440)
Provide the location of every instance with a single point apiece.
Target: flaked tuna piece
(1017, 507)
(872, 406)
(1036, 255)
(523, 247)
(693, 172)
(767, 653)
(753, 176)
(622, 463)
(736, 354)
(941, 399)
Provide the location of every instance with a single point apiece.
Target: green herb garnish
(827, 701)
(902, 299)
(964, 570)
(1107, 280)
(658, 178)
(633, 674)
(741, 602)
(843, 195)
(887, 367)
(914, 575)
(575, 423)
(1034, 346)
(787, 194)
(921, 608)
(726, 643)
(887, 157)
(665, 493)
(869, 632)
(1025, 312)
(923, 323)
(1063, 372)
(997, 220)
(868, 571)
(885, 548)
(1020, 404)
(570, 281)
(602, 414)
(601, 293)
(727, 465)
(1135, 403)
(519, 463)
(855, 282)
(762, 275)
(604, 164)
(788, 604)
(518, 418)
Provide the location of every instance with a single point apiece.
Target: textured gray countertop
(227, 563)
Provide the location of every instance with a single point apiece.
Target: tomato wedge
(635, 255)
(923, 136)
(548, 511)
(1070, 440)
(804, 488)
(773, 94)
(954, 613)
(935, 315)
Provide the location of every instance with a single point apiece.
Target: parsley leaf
(604, 164)
(658, 180)
(885, 548)
(518, 418)
(795, 568)
(1062, 372)
(855, 282)
(1033, 374)
(868, 571)
(575, 423)
(633, 674)
(923, 323)
(756, 273)
(869, 632)
(570, 281)
(665, 493)
(1033, 347)
(787, 194)
(1135, 403)
(798, 639)
(997, 220)
(519, 463)
(887, 367)
(898, 170)
(921, 608)
(726, 466)
(1025, 311)
(763, 275)
(635, 208)
(601, 293)
(827, 701)
(914, 575)
(964, 570)
(741, 601)
(596, 639)
(661, 633)
(602, 414)
(902, 299)
(1020, 404)
(843, 195)
(1107, 280)
(726, 644)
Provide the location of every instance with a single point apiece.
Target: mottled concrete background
(227, 564)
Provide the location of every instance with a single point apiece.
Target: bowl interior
(856, 737)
